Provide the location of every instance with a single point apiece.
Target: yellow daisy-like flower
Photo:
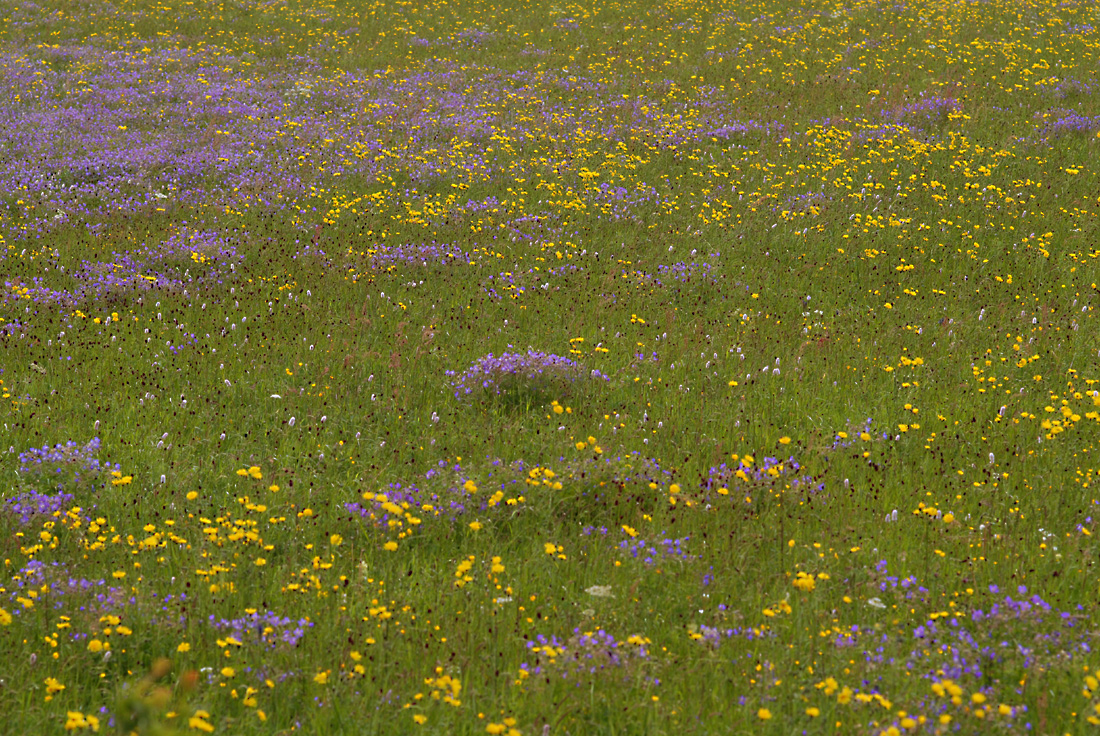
(199, 724)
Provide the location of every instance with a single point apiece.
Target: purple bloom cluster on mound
(585, 653)
(1069, 123)
(61, 467)
(65, 463)
(424, 254)
(267, 627)
(52, 459)
(190, 259)
(33, 504)
(487, 373)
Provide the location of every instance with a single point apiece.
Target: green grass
(841, 477)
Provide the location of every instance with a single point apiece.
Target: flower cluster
(65, 464)
(267, 628)
(514, 371)
(584, 653)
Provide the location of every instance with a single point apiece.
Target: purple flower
(499, 374)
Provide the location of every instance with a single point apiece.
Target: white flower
(600, 591)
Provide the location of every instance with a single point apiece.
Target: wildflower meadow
(546, 367)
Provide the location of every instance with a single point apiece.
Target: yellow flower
(52, 687)
(764, 714)
(420, 719)
(475, 525)
(255, 472)
(273, 488)
(5, 618)
(469, 486)
(804, 582)
(784, 440)
(199, 724)
(977, 698)
(390, 546)
(95, 646)
(260, 562)
(813, 712)
(336, 540)
(228, 672)
(321, 678)
(183, 647)
(191, 496)
(77, 720)
(948, 518)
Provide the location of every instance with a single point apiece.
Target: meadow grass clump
(808, 442)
